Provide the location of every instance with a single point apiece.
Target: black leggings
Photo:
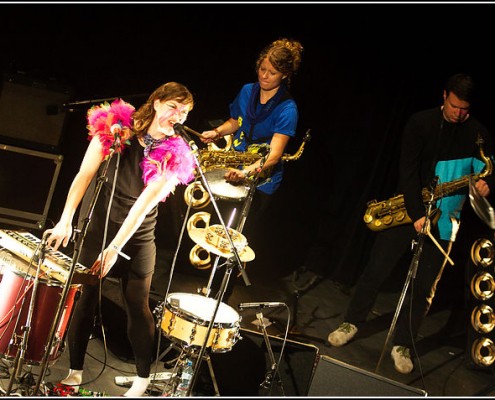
(140, 323)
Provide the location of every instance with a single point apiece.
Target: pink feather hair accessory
(102, 117)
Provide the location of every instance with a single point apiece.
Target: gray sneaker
(343, 334)
(402, 359)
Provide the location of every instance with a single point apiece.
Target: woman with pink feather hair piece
(144, 160)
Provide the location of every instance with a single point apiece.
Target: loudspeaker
(31, 111)
(335, 378)
(242, 370)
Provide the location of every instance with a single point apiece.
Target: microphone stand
(267, 383)
(79, 237)
(418, 250)
(85, 102)
(21, 351)
(181, 131)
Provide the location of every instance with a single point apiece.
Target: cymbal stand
(180, 130)
(206, 291)
(26, 329)
(273, 373)
(418, 249)
(244, 213)
(78, 238)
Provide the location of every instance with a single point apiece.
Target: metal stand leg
(212, 374)
(273, 372)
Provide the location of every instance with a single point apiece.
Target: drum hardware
(216, 164)
(184, 320)
(19, 358)
(217, 340)
(235, 254)
(170, 387)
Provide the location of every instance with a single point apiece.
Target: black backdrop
(365, 69)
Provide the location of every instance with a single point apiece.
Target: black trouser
(135, 295)
(389, 247)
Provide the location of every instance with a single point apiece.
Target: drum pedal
(159, 376)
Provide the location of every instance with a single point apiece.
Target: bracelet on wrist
(119, 251)
(219, 135)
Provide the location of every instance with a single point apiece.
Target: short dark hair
(462, 85)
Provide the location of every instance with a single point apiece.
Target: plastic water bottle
(185, 379)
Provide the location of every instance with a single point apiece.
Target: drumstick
(192, 131)
(440, 248)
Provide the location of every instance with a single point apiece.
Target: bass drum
(16, 289)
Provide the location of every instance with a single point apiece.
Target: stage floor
(309, 366)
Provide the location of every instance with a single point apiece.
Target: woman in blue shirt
(264, 113)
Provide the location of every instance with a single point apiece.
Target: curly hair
(143, 117)
(284, 54)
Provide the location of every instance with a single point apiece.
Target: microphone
(260, 305)
(179, 130)
(54, 109)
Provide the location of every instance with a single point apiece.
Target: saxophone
(196, 196)
(210, 158)
(392, 212)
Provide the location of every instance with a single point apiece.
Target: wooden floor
(309, 366)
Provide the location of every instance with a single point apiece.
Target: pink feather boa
(102, 117)
(172, 157)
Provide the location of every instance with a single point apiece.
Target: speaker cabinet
(335, 378)
(242, 370)
(31, 112)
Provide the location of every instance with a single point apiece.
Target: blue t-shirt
(282, 119)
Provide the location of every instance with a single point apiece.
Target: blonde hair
(143, 117)
(284, 54)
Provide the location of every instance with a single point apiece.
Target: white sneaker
(402, 359)
(343, 334)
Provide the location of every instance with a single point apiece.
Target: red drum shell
(14, 307)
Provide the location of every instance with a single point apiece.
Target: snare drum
(15, 298)
(224, 190)
(187, 316)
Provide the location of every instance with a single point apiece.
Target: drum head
(225, 190)
(202, 307)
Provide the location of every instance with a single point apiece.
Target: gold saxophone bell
(198, 256)
(192, 198)
(228, 144)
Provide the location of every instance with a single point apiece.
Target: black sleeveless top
(129, 185)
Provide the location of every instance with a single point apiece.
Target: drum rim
(197, 318)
